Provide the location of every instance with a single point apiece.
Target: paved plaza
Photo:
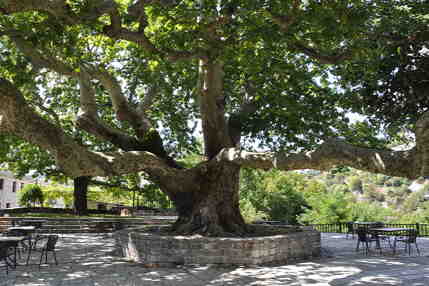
(87, 260)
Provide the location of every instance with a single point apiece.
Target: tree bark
(80, 194)
(212, 209)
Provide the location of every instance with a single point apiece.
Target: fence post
(418, 228)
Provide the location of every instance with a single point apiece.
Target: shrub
(30, 195)
(355, 184)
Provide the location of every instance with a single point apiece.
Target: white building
(9, 186)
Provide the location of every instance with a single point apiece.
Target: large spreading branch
(140, 123)
(331, 153)
(147, 137)
(89, 121)
(74, 159)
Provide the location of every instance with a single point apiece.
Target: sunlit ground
(89, 260)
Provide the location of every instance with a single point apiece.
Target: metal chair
(409, 237)
(49, 246)
(6, 254)
(23, 245)
(381, 236)
(366, 239)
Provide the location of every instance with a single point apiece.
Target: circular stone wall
(152, 249)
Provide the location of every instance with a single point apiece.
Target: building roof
(10, 175)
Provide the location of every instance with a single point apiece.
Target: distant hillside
(400, 194)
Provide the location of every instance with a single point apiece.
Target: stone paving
(88, 260)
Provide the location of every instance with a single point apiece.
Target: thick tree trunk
(213, 210)
(80, 194)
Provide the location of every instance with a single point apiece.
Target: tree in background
(371, 211)
(140, 77)
(272, 195)
(326, 207)
(55, 193)
(31, 195)
(23, 158)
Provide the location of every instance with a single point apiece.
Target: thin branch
(334, 58)
(39, 59)
(285, 22)
(42, 107)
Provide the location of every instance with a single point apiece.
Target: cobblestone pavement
(88, 260)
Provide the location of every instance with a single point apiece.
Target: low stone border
(152, 249)
(83, 225)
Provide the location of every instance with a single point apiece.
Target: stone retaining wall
(156, 250)
(83, 225)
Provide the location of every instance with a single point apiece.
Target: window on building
(1, 184)
(14, 187)
(7, 205)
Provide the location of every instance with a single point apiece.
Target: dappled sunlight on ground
(89, 260)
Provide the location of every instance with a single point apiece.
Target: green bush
(249, 212)
(30, 195)
(329, 207)
(355, 184)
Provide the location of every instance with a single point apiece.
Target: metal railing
(422, 228)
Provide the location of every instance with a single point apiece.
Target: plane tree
(144, 79)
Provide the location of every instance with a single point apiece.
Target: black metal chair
(365, 238)
(4, 255)
(408, 238)
(48, 246)
(6, 252)
(23, 245)
(381, 236)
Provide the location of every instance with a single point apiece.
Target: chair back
(4, 250)
(52, 241)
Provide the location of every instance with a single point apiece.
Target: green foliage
(152, 196)
(373, 193)
(275, 195)
(31, 195)
(371, 211)
(249, 212)
(57, 193)
(413, 201)
(355, 184)
(340, 188)
(326, 207)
